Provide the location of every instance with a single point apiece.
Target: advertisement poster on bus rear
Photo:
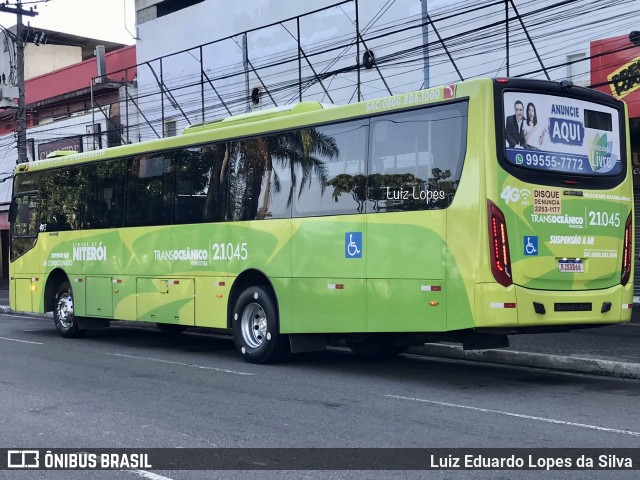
(558, 134)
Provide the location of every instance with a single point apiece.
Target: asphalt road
(131, 386)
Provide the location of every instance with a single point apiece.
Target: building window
(170, 128)
(171, 6)
(578, 69)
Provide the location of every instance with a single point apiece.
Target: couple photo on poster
(523, 129)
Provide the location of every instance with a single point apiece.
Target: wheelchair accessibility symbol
(353, 245)
(531, 246)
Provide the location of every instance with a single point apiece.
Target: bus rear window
(551, 133)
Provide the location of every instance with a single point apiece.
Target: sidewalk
(611, 351)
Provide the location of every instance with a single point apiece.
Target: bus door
(24, 217)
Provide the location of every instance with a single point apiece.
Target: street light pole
(21, 116)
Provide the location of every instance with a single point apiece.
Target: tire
(255, 327)
(373, 346)
(63, 316)
(171, 328)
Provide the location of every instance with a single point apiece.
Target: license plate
(571, 266)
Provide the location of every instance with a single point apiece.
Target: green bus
(462, 212)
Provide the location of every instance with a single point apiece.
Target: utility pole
(21, 119)
(425, 42)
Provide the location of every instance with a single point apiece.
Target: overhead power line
(471, 31)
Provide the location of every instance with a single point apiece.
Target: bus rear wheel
(256, 327)
(63, 315)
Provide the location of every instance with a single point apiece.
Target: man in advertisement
(513, 128)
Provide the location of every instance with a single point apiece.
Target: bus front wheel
(255, 327)
(63, 316)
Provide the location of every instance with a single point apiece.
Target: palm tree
(215, 160)
(301, 150)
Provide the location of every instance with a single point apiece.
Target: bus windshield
(558, 134)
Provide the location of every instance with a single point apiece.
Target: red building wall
(78, 76)
(617, 60)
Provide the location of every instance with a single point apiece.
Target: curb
(563, 363)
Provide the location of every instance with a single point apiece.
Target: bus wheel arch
(254, 319)
(56, 278)
(243, 281)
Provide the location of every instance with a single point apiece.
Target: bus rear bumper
(517, 306)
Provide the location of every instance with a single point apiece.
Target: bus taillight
(499, 246)
(626, 253)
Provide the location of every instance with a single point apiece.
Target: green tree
(354, 185)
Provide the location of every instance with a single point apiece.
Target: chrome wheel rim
(254, 325)
(64, 310)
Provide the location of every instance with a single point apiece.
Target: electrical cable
(472, 31)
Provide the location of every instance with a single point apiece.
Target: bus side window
(105, 194)
(24, 229)
(201, 186)
(63, 199)
(260, 177)
(25, 224)
(150, 190)
(331, 179)
(416, 157)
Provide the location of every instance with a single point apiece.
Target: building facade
(65, 111)
(201, 59)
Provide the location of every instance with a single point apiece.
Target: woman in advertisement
(531, 129)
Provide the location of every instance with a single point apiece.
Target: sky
(99, 19)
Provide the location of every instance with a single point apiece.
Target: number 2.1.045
(230, 251)
(604, 219)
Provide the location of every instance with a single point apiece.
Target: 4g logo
(514, 194)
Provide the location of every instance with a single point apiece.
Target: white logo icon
(352, 247)
(529, 247)
(513, 194)
(23, 458)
